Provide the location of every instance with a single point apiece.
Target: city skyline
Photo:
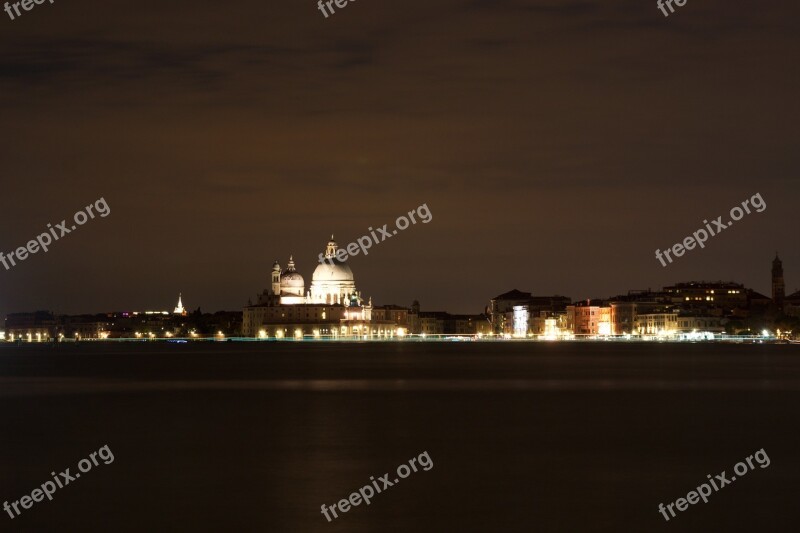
(154, 308)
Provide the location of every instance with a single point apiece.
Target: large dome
(332, 282)
(332, 270)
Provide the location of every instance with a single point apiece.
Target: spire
(290, 266)
(777, 266)
(179, 310)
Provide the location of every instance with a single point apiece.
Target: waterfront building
(500, 306)
(757, 303)
(625, 308)
(623, 317)
(589, 318)
(431, 323)
(31, 327)
(84, 327)
(501, 310)
(661, 324)
(724, 295)
(548, 325)
(443, 323)
(791, 305)
(391, 313)
(688, 323)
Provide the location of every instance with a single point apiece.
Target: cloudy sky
(556, 143)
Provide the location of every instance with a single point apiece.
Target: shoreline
(717, 339)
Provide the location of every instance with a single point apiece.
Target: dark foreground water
(523, 437)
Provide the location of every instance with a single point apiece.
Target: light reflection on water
(49, 386)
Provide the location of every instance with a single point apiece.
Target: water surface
(523, 436)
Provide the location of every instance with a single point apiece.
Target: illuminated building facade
(625, 309)
(505, 312)
(692, 323)
(657, 324)
(585, 318)
(520, 321)
(501, 308)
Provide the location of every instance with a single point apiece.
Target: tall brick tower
(778, 286)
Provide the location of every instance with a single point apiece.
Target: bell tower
(778, 286)
(276, 278)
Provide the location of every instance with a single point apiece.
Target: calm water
(523, 437)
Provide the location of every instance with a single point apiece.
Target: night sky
(556, 143)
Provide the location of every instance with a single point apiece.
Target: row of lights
(100, 335)
(298, 333)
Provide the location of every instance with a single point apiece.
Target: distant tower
(179, 310)
(276, 278)
(778, 286)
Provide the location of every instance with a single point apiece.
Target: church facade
(331, 307)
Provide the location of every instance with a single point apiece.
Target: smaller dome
(292, 278)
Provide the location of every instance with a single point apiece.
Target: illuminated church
(330, 307)
(331, 283)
